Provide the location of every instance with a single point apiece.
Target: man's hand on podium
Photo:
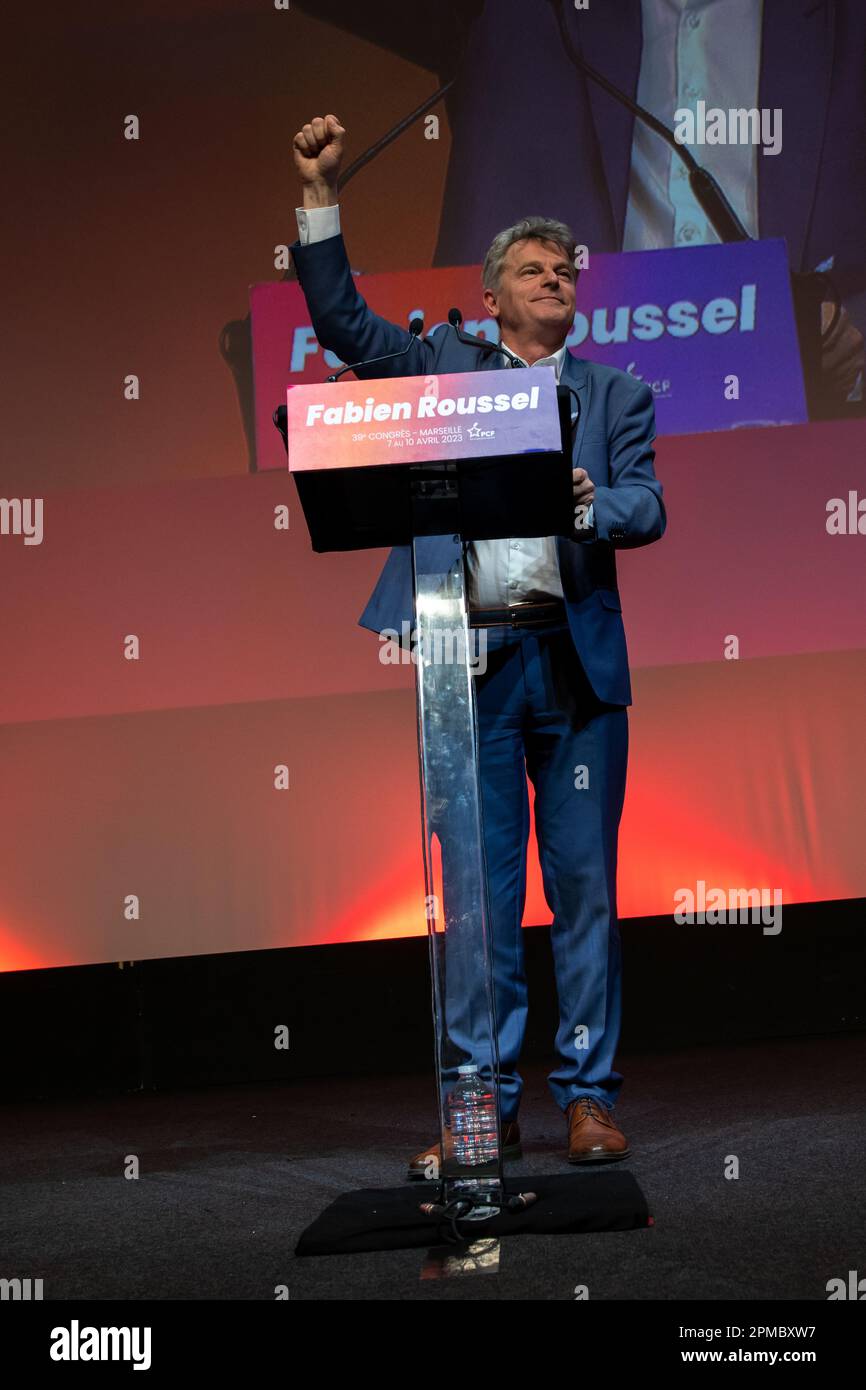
(582, 486)
(318, 151)
(583, 489)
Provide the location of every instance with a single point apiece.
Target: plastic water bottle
(473, 1120)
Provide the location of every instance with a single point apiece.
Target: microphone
(415, 329)
(522, 1201)
(455, 318)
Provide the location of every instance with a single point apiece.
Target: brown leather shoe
(592, 1135)
(509, 1137)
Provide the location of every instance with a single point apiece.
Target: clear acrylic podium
(432, 508)
(458, 919)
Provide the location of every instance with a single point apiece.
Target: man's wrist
(319, 195)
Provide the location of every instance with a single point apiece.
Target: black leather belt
(520, 615)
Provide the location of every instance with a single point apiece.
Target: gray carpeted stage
(230, 1176)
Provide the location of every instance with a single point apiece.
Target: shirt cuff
(317, 224)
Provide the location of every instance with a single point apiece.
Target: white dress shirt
(501, 572)
(693, 50)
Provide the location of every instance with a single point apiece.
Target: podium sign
(466, 435)
(416, 419)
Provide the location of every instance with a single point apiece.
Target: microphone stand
(455, 318)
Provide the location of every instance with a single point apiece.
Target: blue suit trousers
(539, 716)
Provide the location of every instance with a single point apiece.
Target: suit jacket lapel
(575, 375)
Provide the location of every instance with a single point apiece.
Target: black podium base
(390, 1218)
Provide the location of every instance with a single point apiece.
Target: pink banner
(456, 415)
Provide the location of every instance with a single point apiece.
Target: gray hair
(528, 228)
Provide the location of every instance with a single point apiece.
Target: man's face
(536, 290)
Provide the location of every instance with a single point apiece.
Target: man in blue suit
(553, 699)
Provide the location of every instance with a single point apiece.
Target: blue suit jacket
(613, 442)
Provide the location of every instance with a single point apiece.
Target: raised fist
(318, 151)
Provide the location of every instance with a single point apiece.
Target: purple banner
(710, 329)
